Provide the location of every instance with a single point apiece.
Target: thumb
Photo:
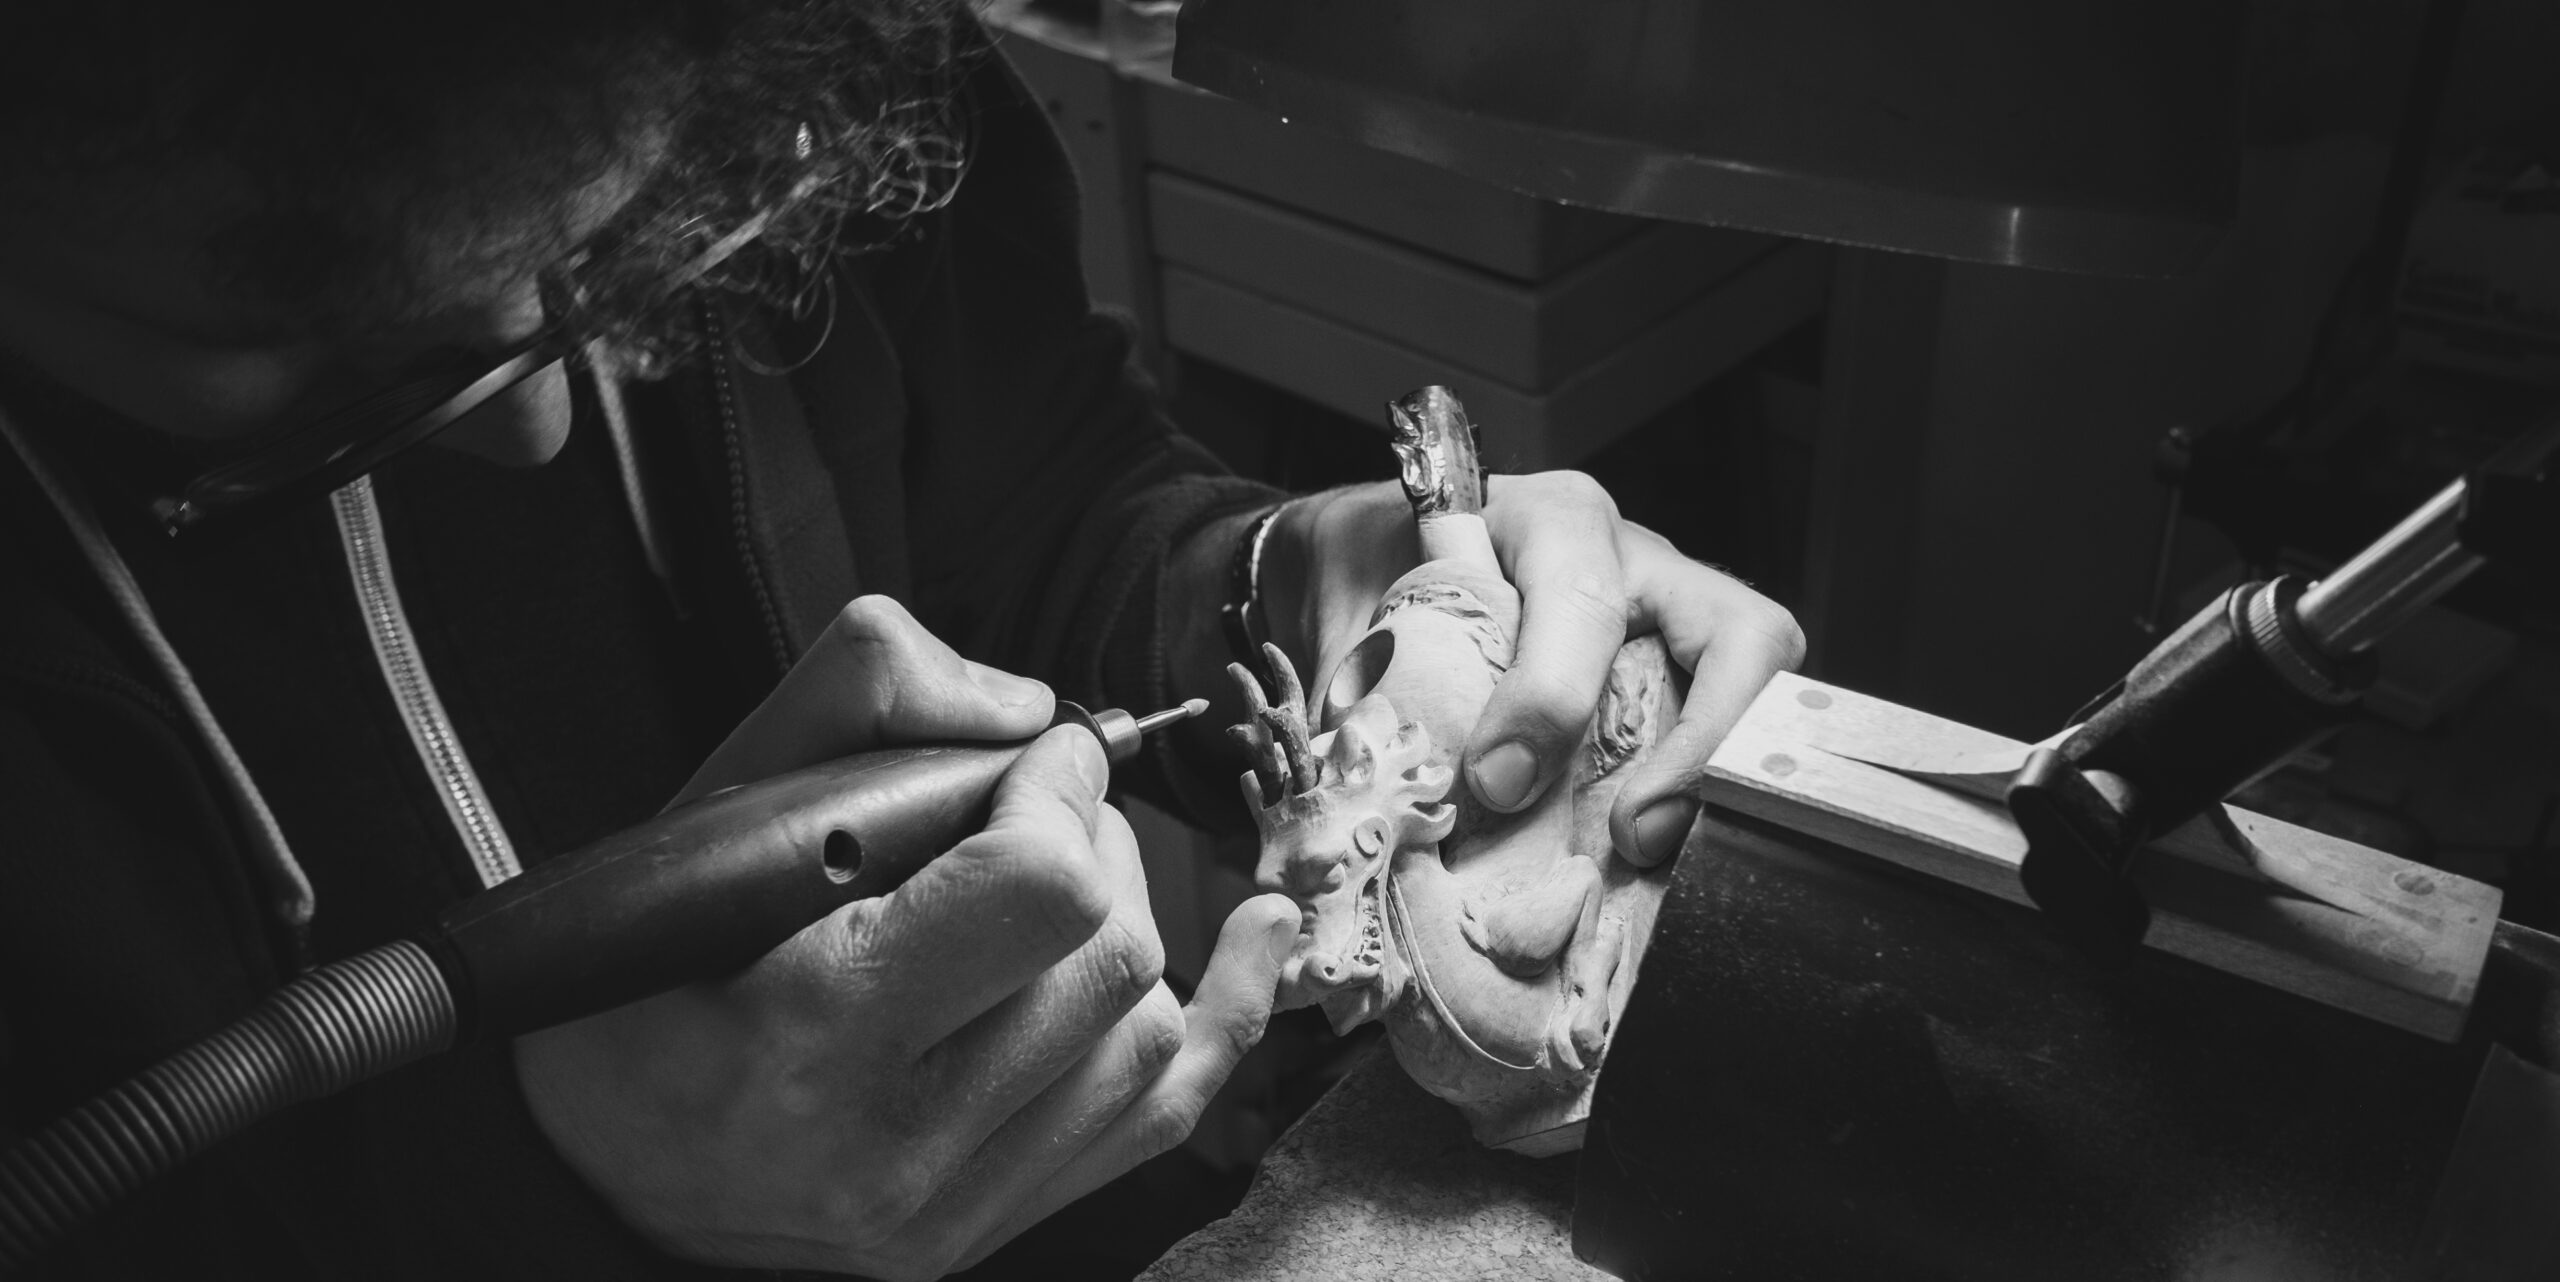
(1243, 976)
(874, 678)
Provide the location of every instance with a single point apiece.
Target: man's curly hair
(385, 151)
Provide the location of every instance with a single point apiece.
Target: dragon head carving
(1333, 809)
(1492, 945)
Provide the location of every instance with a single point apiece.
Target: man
(818, 258)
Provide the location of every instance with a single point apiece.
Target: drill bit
(1155, 721)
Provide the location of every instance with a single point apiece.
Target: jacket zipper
(715, 336)
(405, 671)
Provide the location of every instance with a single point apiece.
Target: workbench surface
(1381, 1181)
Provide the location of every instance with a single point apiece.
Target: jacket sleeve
(1046, 488)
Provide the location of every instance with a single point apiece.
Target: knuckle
(1061, 887)
(1579, 489)
(1596, 598)
(1564, 492)
(905, 1128)
(853, 942)
(868, 644)
(1674, 767)
(1239, 1031)
(1785, 635)
(1111, 828)
(1134, 957)
(1077, 911)
(1162, 1124)
(877, 1210)
(1158, 1025)
(872, 617)
(1644, 538)
(1547, 701)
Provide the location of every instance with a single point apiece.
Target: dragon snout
(1324, 970)
(1341, 945)
(1316, 975)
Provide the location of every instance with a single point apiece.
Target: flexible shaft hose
(340, 1024)
(702, 891)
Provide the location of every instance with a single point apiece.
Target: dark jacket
(969, 439)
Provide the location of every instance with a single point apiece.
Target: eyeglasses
(336, 448)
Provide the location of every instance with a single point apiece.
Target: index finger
(974, 926)
(1573, 618)
(1732, 640)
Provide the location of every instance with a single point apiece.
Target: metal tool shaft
(2399, 574)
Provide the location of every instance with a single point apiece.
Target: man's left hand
(1588, 580)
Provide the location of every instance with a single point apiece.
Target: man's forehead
(127, 239)
(177, 245)
(485, 181)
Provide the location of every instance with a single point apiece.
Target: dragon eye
(1370, 837)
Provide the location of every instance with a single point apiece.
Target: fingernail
(1505, 775)
(1090, 763)
(1007, 689)
(1284, 938)
(1663, 826)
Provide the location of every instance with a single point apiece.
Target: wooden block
(1233, 145)
(2311, 914)
(1529, 336)
(1355, 373)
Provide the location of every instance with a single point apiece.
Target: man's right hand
(910, 1082)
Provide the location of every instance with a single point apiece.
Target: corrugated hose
(338, 1025)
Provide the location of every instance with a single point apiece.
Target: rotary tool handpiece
(707, 888)
(698, 893)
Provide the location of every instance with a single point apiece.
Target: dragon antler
(1275, 733)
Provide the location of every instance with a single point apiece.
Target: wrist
(1331, 558)
(1192, 608)
(1359, 536)
(1244, 619)
(1288, 574)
